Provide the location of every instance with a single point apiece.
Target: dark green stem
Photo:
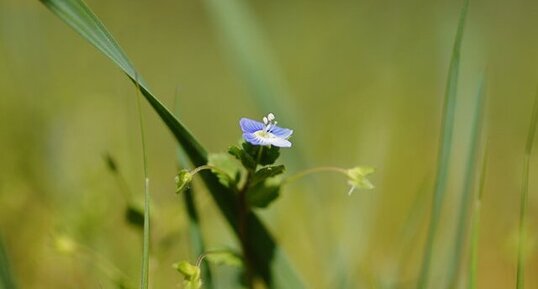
(244, 211)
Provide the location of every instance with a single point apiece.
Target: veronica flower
(266, 133)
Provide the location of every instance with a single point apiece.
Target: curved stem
(210, 167)
(207, 167)
(304, 173)
(205, 254)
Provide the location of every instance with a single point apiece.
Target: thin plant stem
(244, 211)
(209, 167)
(304, 173)
(144, 274)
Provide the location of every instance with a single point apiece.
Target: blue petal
(253, 139)
(281, 132)
(250, 126)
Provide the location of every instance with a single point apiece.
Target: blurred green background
(361, 82)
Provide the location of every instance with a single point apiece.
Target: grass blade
(267, 257)
(144, 274)
(7, 281)
(475, 231)
(524, 197)
(443, 158)
(77, 15)
(466, 196)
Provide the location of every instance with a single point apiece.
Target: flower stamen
(270, 122)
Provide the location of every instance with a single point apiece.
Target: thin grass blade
(445, 147)
(7, 280)
(267, 257)
(467, 192)
(475, 230)
(524, 198)
(144, 274)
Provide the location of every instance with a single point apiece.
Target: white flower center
(264, 134)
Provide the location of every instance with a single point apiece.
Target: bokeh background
(361, 82)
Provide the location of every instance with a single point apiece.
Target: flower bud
(183, 180)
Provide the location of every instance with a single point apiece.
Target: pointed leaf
(262, 194)
(227, 169)
(268, 156)
(267, 172)
(247, 161)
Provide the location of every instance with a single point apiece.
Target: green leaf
(135, 216)
(229, 170)
(267, 257)
(267, 172)
(445, 148)
(262, 194)
(183, 181)
(224, 257)
(247, 161)
(268, 156)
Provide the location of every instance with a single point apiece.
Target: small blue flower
(266, 133)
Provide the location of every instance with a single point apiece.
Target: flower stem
(304, 173)
(213, 168)
(207, 167)
(244, 211)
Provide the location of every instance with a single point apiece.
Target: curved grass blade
(445, 147)
(475, 231)
(77, 15)
(7, 281)
(466, 196)
(267, 257)
(524, 198)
